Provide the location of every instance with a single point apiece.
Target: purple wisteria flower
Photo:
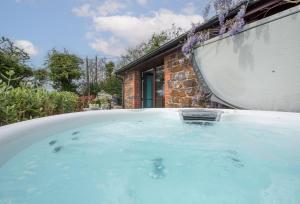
(242, 12)
(239, 22)
(222, 8)
(221, 17)
(189, 44)
(223, 29)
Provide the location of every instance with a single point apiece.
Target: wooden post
(96, 70)
(87, 76)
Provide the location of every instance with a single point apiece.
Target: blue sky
(90, 27)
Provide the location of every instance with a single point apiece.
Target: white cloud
(136, 29)
(25, 1)
(112, 33)
(27, 46)
(109, 7)
(189, 9)
(142, 2)
(111, 47)
(83, 11)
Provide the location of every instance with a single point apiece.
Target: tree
(40, 77)
(64, 70)
(156, 40)
(112, 83)
(109, 68)
(13, 58)
(112, 86)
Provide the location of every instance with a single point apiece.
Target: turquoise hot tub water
(149, 159)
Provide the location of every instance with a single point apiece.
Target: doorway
(153, 88)
(148, 89)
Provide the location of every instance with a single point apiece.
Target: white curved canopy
(258, 68)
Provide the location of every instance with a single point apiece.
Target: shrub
(24, 103)
(84, 101)
(104, 99)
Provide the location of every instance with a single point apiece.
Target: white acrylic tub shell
(18, 136)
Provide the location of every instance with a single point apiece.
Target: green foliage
(156, 40)
(7, 112)
(13, 58)
(111, 85)
(95, 88)
(103, 99)
(64, 70)
(109, 69)
(62, 102)
(9, 48)
(40, 77)
(24, 103)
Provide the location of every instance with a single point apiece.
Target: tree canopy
(111, 84)
(65, 70)
(13, 58)
(155, 41)
(40, 76)
(109, 69)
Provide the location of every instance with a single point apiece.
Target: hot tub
(151, 156)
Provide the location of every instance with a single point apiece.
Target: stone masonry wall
(182, 87)
(132, 98)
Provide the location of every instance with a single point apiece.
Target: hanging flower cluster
(239, 21)
(194, 39)
(222, 8)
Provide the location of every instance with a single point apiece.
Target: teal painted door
(148, 90)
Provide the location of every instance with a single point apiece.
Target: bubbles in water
(31, 190)
(20, 178)
(159, 170)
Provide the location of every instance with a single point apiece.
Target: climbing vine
(231, 26)
(221, 9)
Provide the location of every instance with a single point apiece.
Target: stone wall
(131, 89)
(182, 87)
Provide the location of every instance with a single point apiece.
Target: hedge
(24, 103)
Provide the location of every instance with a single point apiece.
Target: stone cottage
(162, 78)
